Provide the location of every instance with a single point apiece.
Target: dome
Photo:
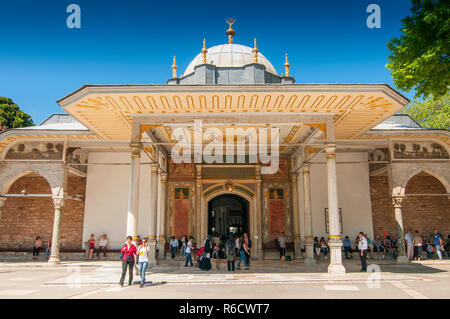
(229, 55)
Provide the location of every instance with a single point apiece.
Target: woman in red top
(128, 251)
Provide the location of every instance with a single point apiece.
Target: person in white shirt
(363, 246)
(188, 253)
(282, 242)
(103, 241)
(174, 246)
(142, 253)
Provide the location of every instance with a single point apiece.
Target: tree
(431, 112)
(419, 59)
(11, 116)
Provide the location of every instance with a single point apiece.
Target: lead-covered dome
(229, 55)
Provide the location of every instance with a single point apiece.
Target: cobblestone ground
(265, 279)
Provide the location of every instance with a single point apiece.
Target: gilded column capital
(397, 201)
(58, 201)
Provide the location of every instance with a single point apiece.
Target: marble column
(162, 216)
(397, 202)
(257, 237)
(198, 216)
(133, 194)
(296, 217)
(309, 243)
(335, 242)
(153, 214)
(54, 259)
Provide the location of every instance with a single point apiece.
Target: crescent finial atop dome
(230, 32)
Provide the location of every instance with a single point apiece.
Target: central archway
(228, 213)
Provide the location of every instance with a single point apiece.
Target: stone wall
(24, 218)
(422, 213)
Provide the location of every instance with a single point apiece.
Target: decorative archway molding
(252, 210)
(401, 173)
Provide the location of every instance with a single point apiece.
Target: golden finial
(204, 51)
(230, 32)
(174, 67)
(287, 65)
(255, 51)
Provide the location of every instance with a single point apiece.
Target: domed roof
(230, 55)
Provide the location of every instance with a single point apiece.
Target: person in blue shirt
(347, 245)
(438, 242)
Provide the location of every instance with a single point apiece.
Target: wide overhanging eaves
(107, 110)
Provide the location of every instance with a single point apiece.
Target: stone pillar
(133, 194)
(162, 216)
(296, 217)
(153, 213)
(309, 243)
(397, 202)
(258, 215)
(2, 203)
(198, 207)
(335, 243)
(54, 259)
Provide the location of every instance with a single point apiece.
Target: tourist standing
(438, 243)
(37, 247)
(173, 246)
(247, 245)
(362, 246)
(183, 247)
(417, 243)
(409, 243)
(231, 253)
(128, 253)
(347, 245)
(237, 245)
(205, 260)
(142, 253)
(188, 253)
(103, 241)
(282, 242)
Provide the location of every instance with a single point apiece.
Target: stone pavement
(265, 279)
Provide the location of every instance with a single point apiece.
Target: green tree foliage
(11, 116)
(431, 112)
(419, 59)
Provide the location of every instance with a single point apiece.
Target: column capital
(3, 200)
(397, 201)
(163, 177)
(330, 149)
(306, 168)
(293, 176)
(154, 168)
(135, 149)
(58, 201)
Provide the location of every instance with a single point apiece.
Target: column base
(298, 248)
(309, 254)
(152, 258)
(161, 244)
(336, 269)
(403, 260)
(54, 260)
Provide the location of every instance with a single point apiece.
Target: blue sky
(133, 42)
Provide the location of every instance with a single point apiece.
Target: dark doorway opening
(228, 213)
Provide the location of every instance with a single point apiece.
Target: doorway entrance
(228, 213)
